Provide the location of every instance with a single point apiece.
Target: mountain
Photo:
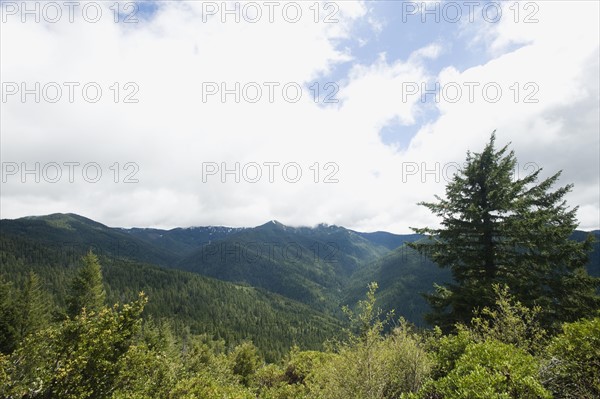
(323, 267)
(204, 305)
(307, 264)
(311, 265)
(402, 275)
(389, 240)
(182, 241)
(75, 235)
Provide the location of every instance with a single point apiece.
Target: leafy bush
(77, 359)
(489, 370)
(573, 368)
(370, 365)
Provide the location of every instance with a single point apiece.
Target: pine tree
(32, 306)
(86, 289)
(497, 229)
(8, 317)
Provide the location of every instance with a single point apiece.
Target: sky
(193, 113)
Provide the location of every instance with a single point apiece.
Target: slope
(402, 275)
(311, 265)
(219, 309)
(75, 235)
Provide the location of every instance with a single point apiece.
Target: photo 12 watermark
(270, 11)
(470, 11)
(270, 172)
(453, 92)
(69, 92)
(69, 171)
(53, 12)
(424, 172)
(271, 92)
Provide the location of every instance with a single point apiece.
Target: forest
(513, 309)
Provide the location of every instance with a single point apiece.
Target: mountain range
(275, 284)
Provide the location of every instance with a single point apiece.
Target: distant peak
(273, 223)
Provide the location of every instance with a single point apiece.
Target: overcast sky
(323, 111)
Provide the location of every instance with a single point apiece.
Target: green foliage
(245, 362)
(447, 349)
(195, 339)
(489, 370)
(150, 367)
(497, 229)
(573, 366)
(507, 322)
(194, 304)
(510, 322)
(204, 387)
(370, 365)
(112, 353)
(366, 323)
(145, 372)
(8, 317)
(301, 364)
(492, 357)
(86, 290)
(308, 265)
(33, 306)
(79, 358)
(22, 312)
(401, 275)
(207, 372)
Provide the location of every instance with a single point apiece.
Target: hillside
(73, 235)
(323, 267)
(181, 241)
(402, 275)
(207, 306)
(311, 265)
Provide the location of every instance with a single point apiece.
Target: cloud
(172, 54)
(554, 121)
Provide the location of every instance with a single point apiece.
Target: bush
(489, 370)
(573, 367)
(77, 359)
(245, 362)
(375, 368)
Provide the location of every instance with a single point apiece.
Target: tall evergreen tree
(87, 290)
(8, 317)
(32, 306)
(498, 229)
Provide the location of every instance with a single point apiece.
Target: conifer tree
(87, 290)
(32, 306)
(497, 229)
(8, 317)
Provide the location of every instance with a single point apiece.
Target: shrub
(573, 367)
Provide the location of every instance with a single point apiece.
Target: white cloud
(171, 131)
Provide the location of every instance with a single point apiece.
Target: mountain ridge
(323, 266)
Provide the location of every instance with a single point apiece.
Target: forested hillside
(402, 275)
(190, 302)
(324, 267)
(73, 235)
(311, 265)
